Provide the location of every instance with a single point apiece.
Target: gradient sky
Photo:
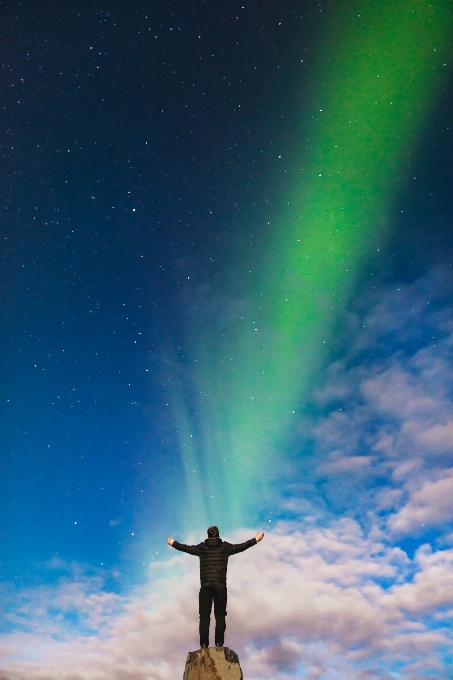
(226, 297)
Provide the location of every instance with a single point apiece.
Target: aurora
(378, 77)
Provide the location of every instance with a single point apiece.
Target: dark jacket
(214, 554)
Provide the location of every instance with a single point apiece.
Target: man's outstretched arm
(191, 549)
(240, 547)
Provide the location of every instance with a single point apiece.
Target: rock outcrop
(214, 663)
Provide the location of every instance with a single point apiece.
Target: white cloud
(320, 597)
(316, 600)
(383, 433)
(430, 507)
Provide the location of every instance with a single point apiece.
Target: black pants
(218, 593)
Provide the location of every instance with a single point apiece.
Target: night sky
(226, 298)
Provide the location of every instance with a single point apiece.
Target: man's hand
(258, 537)
(170, 540)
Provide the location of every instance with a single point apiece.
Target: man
(213, 554)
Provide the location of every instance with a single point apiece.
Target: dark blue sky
(129, 139)
(134, 138)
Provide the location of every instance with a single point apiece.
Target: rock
(213, 664)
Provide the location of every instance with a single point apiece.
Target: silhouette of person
(213, 554)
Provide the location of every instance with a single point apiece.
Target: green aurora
(380, 70)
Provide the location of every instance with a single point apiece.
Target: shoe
(219, 644)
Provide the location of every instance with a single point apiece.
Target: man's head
(213, 532)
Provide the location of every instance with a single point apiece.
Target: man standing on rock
(213, 554)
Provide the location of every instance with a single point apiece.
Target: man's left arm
(240, 547)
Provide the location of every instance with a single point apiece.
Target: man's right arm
(191, 549)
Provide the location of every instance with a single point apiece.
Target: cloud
(338, 464)
(316, 601)
(115, 522)
(431, 506)
(332, 591)
(381, 430)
